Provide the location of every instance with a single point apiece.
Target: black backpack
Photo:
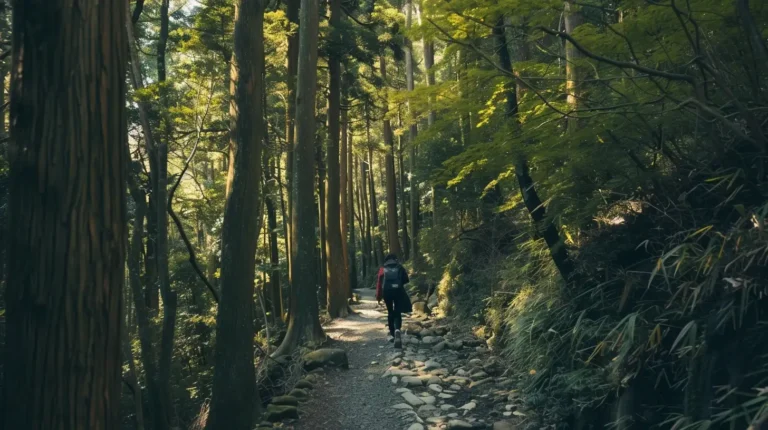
(392, 278)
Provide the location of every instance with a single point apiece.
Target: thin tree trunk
(344, 196)
(573, 69)
(531, 198)
(389, 165)
(274, 294)
(322, 253)
(131, 378)
(235, 399)
(67, 180)
(350, 196)
(304, 323)
(377, 233)
(142, 312)
(402, 196)
(414, 194)
(169, 297)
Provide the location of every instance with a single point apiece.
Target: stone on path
(436, 388)
(299, 394)
(416, 426)
(430, 400)
(411, 381)
(504, 425)
(277, 413)
(469, 406)
(411, 399)
(458, 424)
(431, 365)
(285, 401)
(446, 407)
(394, 380)
(427, 409)
(402, 406)
(335, 357)
(445, 396)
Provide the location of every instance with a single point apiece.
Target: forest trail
(442, 379)
(357, 398)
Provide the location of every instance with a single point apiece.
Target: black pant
(394, 316)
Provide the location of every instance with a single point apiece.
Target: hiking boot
(390, 338)
(398, 339)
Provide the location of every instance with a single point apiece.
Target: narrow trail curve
(357, 398)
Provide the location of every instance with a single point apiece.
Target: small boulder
(411, 399)
(277, 413)
(436, 388)
(411, 381)
(285, 401)
(304, 385)
(335, 357)
(458, 424)
(300, 394)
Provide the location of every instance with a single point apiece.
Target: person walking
(390, 286)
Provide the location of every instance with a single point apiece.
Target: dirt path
(357, 398)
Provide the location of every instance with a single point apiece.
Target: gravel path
(358, 398)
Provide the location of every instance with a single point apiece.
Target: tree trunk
(531, 199)
(413, 131)
(350, 196)
(67, 181)
(573, 69)
(131, 379)
(142, 311)
(402, 196)
(304, 324)
(337, 277)
(161, 201)
(322, 261)
(376, 226)
(344, 195)
(365, 220)
(235, 399)
(274, 294)
(389, 165)
(292, 13)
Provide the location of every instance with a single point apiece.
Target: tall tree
(350, 196)
(304, 324)
(573, 68)
(67, 226)
(389, 166)
(292, 14)
(338, 280)
(412, 132)
(169, 296)
(235, 399)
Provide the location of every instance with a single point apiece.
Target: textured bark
(66, 226)
(304, 324)
(292, 13)
(391, 187)
(337, 278)
(235, 400)
(344, 195)
(531, 199)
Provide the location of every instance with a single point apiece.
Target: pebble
(431, 365)
(445, 396)
(394, 380)
(401, 406)
(458, 424)
(416, 426)
(411, 399)
(469, 406)
(436, 388)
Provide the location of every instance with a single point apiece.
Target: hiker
(390, 286)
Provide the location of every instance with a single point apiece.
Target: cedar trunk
(66, 226)
(235, 400)
(304, 323)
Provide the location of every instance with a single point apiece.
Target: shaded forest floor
(443, 378)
